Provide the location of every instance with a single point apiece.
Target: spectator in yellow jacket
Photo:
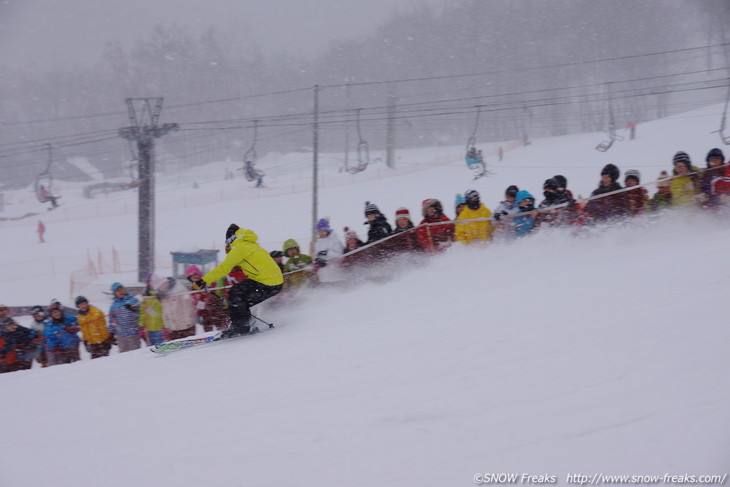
(480, 231)
(150, 317)
(684, 186)
(94, 332)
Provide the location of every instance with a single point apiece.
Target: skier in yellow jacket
(468, 232)
(264, 278)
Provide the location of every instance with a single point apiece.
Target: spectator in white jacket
(178, 312)
(326, 248)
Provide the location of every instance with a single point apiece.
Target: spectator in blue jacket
(124, 320)
(525, 223)
(61, 334)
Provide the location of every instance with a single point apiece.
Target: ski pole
(271, 325)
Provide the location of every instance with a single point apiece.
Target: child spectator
(379, 226)
(409, 240)
(505, 228)
(638, 197)
(123, 319)
(435, 232)
(298, 266)
(209, 306)
(526, 221)
(326, 248)
(352, 241)
(459, 203)
(61, 334)
(150, 316)
(94, 331)
(685, 184)
(473, 231)
(38, 325)
(402, 220)
(663, 197)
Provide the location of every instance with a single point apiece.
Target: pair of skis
(175, 345)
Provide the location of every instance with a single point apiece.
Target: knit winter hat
(80, 299)
(370, 208)
(323, 224)
(193, 269)
(459, 200)
(683, 158)
(36, 309)
(231, 233)
(350, 234)
(512, 191)
(611, 171)
(116, 286)
(634, 174)
(715, 154)
(562, 180)
(550, 184)
(402, 213)
(471, 194)
(664, 181)
(276, 253)
(55, 304)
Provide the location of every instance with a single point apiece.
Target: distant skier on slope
(264, 278)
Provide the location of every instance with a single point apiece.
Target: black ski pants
(245, 294)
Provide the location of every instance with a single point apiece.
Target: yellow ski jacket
(468, 232)
(256, 262)
(93, 326)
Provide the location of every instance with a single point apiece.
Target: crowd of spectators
(169, 309)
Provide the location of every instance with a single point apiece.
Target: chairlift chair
(363, 149)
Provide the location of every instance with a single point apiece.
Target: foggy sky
(48, 33)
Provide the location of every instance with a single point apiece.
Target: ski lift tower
(144, 130)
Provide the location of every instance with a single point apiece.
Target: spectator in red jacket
(432, 236)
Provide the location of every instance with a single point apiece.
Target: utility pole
(145, 134)
(315, 158)
(390, 135)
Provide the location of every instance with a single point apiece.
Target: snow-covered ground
(603, 352)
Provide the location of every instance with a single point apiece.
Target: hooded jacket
(525, 222)
(93, 326)
(468, 232)
(296, 262)
(434, 237)
(247, 254)
(62, 333)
